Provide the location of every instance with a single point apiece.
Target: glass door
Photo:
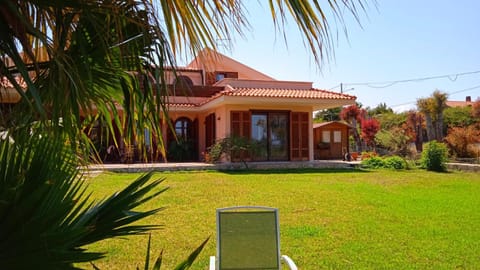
(259, 136)
(278, 136)
(270, 136)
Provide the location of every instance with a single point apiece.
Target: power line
(385, 84)
(448, 93)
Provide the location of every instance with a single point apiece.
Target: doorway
(269, 133)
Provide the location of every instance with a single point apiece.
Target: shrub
(395, 162)
(214, 152)
(373, 163)
(366, 155)
(235, 147)
(459, 140)
(434, 156)
(394, 140)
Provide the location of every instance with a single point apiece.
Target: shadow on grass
(291, 171)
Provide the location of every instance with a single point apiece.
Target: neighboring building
(467, 102)
(331, 140)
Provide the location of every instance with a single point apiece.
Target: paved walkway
(189, 166)
(196, 166)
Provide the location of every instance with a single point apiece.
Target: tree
(414, 128)
(458, 117)
(424, 106)
(381, 108)
(328, 115)
(439, 105)
(391, 120)
(461, 139)
(87, 58)
(46, 216)
(370, 127)
(476, 109)
(354, 115)
(394, 140)
(80, 52)
(433, 108)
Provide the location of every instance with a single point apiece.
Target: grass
(329, 219)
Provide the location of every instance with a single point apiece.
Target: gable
(212, 61)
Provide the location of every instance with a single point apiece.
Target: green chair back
(248, 238)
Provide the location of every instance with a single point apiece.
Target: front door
(336, 144)
(183, 145)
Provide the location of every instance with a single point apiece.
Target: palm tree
(439, 100)
(424, 106)
(76, 56)
(81, 61)
(46, 216)
(433, 108)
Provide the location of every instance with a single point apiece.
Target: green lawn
(329, 219)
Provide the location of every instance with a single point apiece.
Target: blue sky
(398, 40)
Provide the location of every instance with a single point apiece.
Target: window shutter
(240, 123)
(210, 130)
(299, 136)
(232, 75)
(240, 126)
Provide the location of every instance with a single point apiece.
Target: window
(183, 141)
(326, 136)
(220, 76)
(337, 136)
(182, 126)
(183, 82)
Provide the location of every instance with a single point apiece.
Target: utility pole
(341, 88)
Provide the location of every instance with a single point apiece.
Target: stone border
(464, 167)
(144, 167)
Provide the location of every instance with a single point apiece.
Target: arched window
(183, 82)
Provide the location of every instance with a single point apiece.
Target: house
(331, 140)
(216, 97)
(466, 103)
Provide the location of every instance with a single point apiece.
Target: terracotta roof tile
(260, 92)
(458, 103)
(284, 93)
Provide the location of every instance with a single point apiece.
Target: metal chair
(248, 237)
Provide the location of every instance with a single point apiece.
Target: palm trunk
(430, 129)
(356, 136)
(439, 127)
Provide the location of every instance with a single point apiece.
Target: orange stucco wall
(223, 118)
(194, 75)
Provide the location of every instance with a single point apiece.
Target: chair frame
(215, 262)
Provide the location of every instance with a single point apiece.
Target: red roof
(323, 124)
(284, 93)
(260, 92)
(451, 103)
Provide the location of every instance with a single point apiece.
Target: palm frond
(186, 264)
(46, 214)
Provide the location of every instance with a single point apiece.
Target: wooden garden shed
(331, 140)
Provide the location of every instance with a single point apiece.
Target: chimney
(468, 99)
